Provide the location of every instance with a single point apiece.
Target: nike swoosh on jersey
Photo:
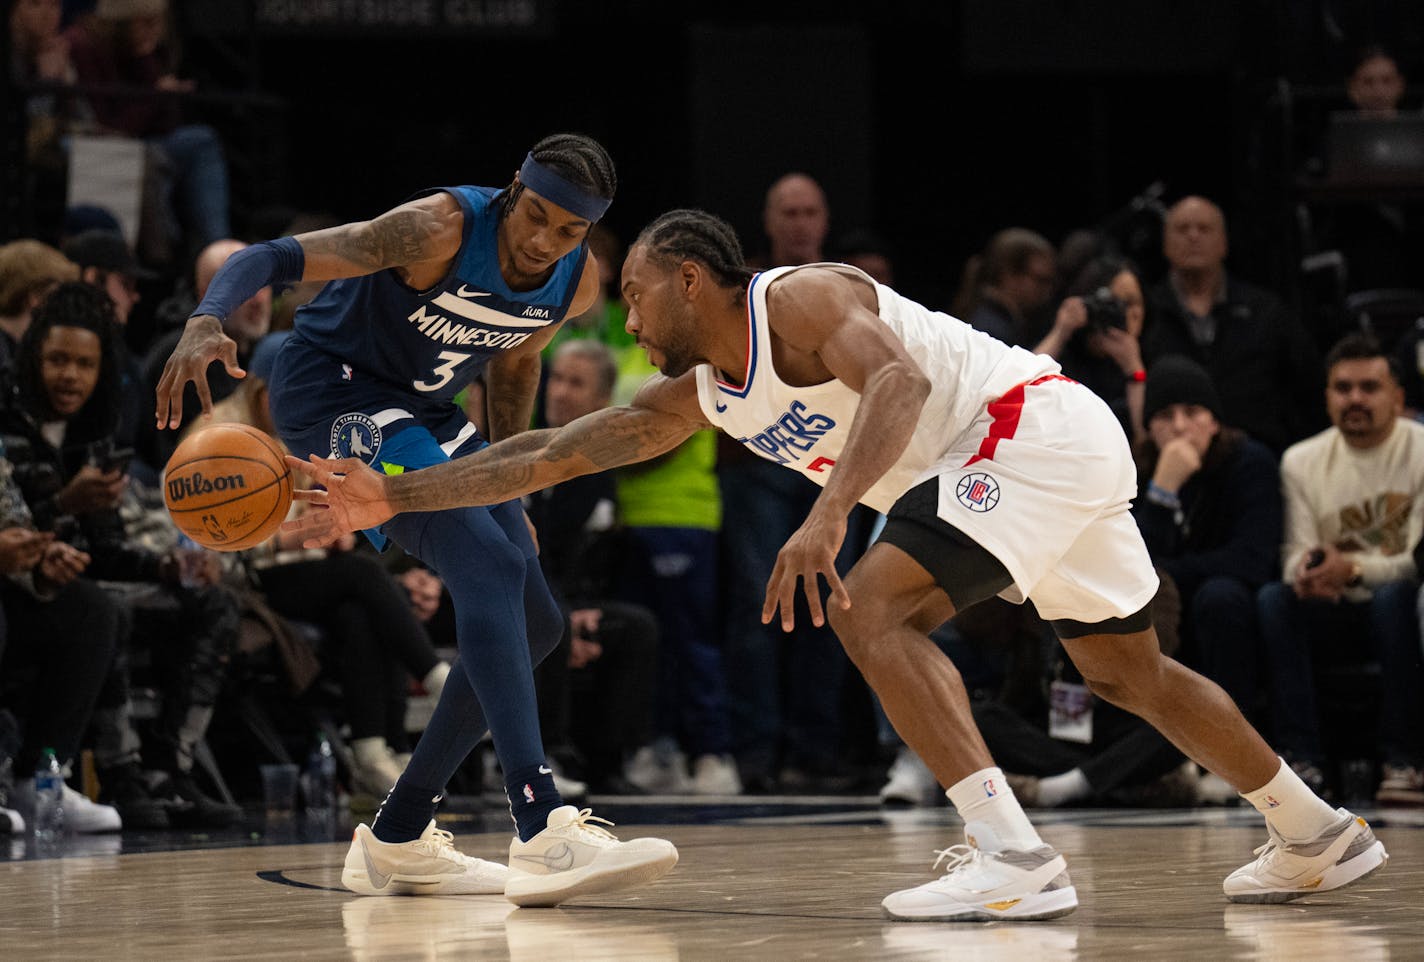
(720, 406)
(466, 292)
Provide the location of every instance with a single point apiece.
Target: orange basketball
(227, 487)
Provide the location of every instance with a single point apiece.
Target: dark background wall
(933, 123)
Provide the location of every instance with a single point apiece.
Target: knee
(860, 626)
(544, 625)
(1222, 601)
(1395, 596)
(1130, 682)
(1275, 600)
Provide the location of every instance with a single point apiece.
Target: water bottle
(49, 797)
(319, 780)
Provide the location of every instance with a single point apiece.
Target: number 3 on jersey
(443, 372)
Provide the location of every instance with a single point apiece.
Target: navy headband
(558, 190)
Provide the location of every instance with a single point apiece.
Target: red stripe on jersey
(1007, 411)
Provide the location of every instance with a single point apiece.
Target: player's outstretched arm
(423, 231)
(662, 416)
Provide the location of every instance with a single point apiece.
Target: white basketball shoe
(984, 885)
(572, 856)
(1345, 852)
(429, 865)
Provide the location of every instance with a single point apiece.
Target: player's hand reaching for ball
(202, 343)
(354, 500)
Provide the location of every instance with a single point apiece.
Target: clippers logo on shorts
(355, 435)
(978, 492)
(796, 430)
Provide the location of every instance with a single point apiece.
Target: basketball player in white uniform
(999, 476)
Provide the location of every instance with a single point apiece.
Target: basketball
(227, 487)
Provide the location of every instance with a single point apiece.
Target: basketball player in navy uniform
(999, 476)
(458, 282)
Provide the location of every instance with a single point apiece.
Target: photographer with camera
(58, 431)
(1095, 337)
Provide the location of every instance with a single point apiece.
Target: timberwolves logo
(977, 492)
(355, 436)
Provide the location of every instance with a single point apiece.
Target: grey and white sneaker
(428, 865)
(1345, 852)
(572, 856)
(988, 885)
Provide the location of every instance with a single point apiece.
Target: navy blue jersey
(433, 343)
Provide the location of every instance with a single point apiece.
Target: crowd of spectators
(1280, 501)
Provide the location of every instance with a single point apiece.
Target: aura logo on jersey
(355, 435)
(791, 435)
(978, 492)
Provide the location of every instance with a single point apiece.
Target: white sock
(1056, 790)
(985, 797)
(1294, 811)
(434, 680)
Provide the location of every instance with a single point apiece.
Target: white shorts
(1044, 481)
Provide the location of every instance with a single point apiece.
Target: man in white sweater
(1354, 502)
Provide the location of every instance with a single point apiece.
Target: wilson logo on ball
(195, 485)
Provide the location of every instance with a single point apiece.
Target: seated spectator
(106, 262)
(58, 432)
(596, 689)
(1007, 285)
(1375, 85)
(58, 636)
(29, 270)
(372, 637)
(128, 43)
(1210, 512)
(1354, 509)
(1095, 337)
(795, 219)
(1261, 359)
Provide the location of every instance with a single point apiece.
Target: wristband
(278, 263)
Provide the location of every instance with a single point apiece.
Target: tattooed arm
(424, 233)
(418, 240)
(663, 415)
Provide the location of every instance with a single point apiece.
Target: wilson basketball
(227, 487)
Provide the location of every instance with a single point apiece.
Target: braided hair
(696, 235)
(580, 160)
(81, 305)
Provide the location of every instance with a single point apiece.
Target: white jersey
(805, 428)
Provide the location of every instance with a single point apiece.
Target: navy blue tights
(506, 622)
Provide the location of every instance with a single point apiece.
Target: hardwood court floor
(776, 887)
